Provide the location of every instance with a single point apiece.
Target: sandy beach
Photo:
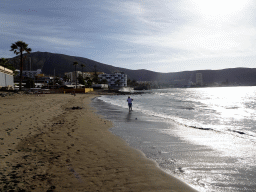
(58, 143)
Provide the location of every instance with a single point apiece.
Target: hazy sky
(158, 35)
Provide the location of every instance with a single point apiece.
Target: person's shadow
(129, 116)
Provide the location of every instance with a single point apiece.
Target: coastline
(58, 143)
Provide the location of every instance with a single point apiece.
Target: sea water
(204, 136)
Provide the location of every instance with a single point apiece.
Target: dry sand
(45, 145)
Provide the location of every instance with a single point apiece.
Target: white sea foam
(207, 136)
(209, 108)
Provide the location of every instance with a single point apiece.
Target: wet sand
(57, 143)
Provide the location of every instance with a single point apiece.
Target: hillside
(64, 63)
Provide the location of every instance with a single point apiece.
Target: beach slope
(58, 143)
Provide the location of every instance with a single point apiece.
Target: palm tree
(19, 47)
(83, 65)
(75, 63)
(66, 78)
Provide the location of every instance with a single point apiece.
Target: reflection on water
(128, 117)
(230, 103)
(206, 136)
(221, 109)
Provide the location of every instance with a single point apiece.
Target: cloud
(61, 41)
(222, 34)
(197, 36)
(143, 34)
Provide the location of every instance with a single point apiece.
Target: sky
(157, 35)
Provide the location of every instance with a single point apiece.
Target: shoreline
(48, 143)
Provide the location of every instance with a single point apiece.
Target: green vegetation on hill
(5, 63)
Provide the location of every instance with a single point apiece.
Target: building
(72, 75)
(199, 79)
(115, 80)
(75, 74)
(29, 74)
(6, 77)
(91, 74)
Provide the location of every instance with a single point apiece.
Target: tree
(58, 80)
(95, 70)
(95, 78)
(104, 81)
(5, 63)
(129, 82)
(18, 48)
(75, 63)
(30, 83)
(83, 65)
(66, 78)
(132, 83)
(88, 81)
(81, 80)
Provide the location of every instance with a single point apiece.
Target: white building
(73, 75)
(6, 77)
(115, 80)
(199, 79)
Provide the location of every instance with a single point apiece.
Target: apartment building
(75, 74)
(118, 79)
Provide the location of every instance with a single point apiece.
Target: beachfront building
(29, 74)
(73, 75)
(92, 74)
(199, 79)
(6, 77)
(118, 79)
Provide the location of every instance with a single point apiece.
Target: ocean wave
(169, 115)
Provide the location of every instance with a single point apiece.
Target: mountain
(64, 63)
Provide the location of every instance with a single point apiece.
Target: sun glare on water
(231, 102)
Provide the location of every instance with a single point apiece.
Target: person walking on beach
(129, 100)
